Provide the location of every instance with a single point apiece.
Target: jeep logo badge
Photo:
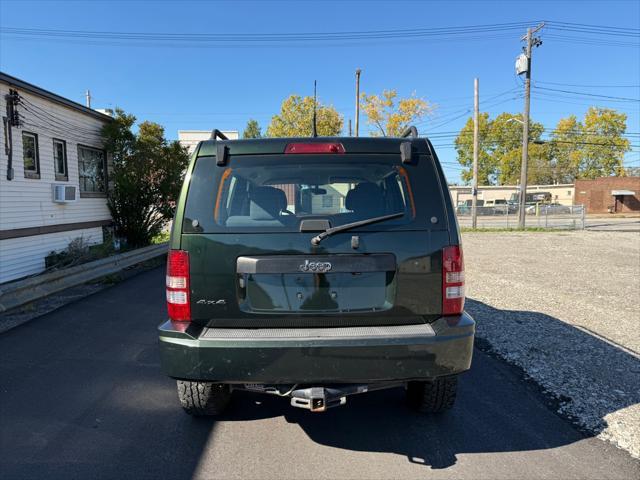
(319, 267)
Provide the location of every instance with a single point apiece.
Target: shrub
(147, 176)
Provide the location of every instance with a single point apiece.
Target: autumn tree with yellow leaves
(391, 115)
(296, 119)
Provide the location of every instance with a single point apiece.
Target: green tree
(390, 115)
(592, 148)
(296, 119)
(603, 144)
(539, 168)
(147, 175)
(500, 151)
(566, 149)
(487, 167)
(252, 130)
(505, 137)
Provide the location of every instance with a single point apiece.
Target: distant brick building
(609, 194)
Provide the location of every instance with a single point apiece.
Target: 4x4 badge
(204, 301)
(320, 267)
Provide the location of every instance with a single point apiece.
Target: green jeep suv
(315, 269)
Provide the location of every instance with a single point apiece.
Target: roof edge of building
(54, 97)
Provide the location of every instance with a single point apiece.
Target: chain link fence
(551, 216)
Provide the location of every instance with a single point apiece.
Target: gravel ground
(563, 306)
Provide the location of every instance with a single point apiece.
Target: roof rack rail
(410, 131)
(218, 134)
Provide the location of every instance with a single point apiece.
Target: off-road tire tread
(203, 398)
(434, 396)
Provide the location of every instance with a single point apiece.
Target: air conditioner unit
(64, 193)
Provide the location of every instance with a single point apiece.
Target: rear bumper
(312, 356)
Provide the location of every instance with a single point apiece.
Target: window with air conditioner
(64, 193)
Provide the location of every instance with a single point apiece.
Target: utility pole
(349, 127)
(531, 42)
(476, 141)
(88, 98)
(357, 100)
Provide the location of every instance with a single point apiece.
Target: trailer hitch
(318, 399)
(321, 398)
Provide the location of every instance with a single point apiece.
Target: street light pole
(476, 141)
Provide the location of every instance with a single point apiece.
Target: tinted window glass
(276, 193)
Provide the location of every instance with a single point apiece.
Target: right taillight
(452, 280)
(178, 301)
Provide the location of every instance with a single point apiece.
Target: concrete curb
(18, 293)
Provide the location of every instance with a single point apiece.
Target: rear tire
(203, 398)
(433, 396)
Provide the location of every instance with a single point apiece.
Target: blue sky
(195, 86)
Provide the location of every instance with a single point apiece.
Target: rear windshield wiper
(348, 226)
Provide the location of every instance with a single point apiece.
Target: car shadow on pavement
(584, 376)
(500, 407)
(492, 415)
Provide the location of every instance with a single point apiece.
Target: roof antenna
(315, 130)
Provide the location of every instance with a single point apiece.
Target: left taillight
(178, 298)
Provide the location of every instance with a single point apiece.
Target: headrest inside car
(365, 199)
(266, 203)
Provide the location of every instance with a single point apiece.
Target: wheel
(433, 396)
(203, 398)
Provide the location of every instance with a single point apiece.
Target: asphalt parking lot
(82, 396)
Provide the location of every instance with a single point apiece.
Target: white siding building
(191, 138)
(48, 141)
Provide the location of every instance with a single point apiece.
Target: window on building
(92, 171)
(30, 155)
(60, 159)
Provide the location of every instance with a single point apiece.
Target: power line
(588, 94)
(593, 29)
(604, 27)
(59, 124)
(581, 40)
(316, 36)
(468, 110)
(29, 105)
(586, 85)
(264, 37)
(54, 132)
(550, 97)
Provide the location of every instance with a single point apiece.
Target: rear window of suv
(274, 193)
